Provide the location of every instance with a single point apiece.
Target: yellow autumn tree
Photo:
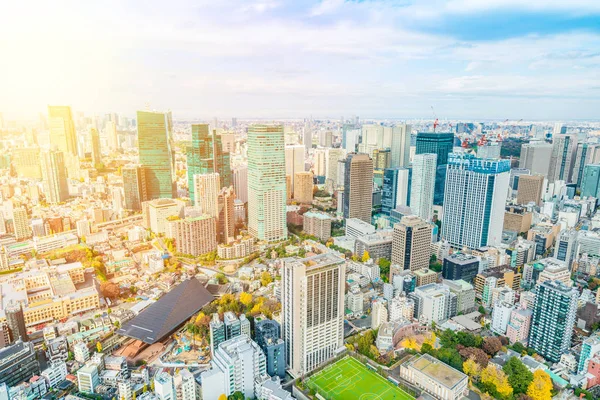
(222, 397)
(410, 343)
(495, 376)
(541, 386)
(366, 256)
(471, 368)
(245, 298)
(431, 340)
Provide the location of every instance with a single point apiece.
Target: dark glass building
(460, 266)
(267, 335)
(440, 144)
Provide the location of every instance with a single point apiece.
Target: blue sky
(470, 59)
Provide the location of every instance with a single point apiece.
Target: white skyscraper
(312, 310)
(207, 188)
(423, 185)
(266, 183)
(319, 167)
(332, 157)
(474, 201)
(401, 145)
(294, 160)
(240, 183)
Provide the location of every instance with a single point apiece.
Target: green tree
(266, 278)
(448, 338)
(384, 266)
(519, 376)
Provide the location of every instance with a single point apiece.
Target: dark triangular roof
(168, 313)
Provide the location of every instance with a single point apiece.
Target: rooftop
(437, 370)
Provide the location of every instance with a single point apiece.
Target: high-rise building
(156, 153)
(317, 224)
(237, 365)
(294, 161)
(63, 136)
(207, 188)
(54, 175)
(195, 236)
(440, 144)
(96, 150)
(553, 319)
(16, 322)
(266, 183)
(226, 216)
(319, 167)
(307, 137)
(410, 245)
(396, 188)
(535, 156)
(21, 223)
(434, 302)
(185, 385)
(358, 187)
(530, 189)
(134, 186)
(240, 183)
(303, 187)
(158, 212)
(27, 162)
(332, 157)
(199, 155)
(222, 161)
(474, 201)
(164, 387)
(422, 185)
(401, 145)
(590, 181)
(564, 149)
(587, 153)
(312, 310)
(325, 138)
(112, 135)
(18, 363)
(382, 159)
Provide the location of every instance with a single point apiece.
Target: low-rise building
(434, 377)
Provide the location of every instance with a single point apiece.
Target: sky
(469, 59)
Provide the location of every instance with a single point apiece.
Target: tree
(541, 386)
(410, 343)
(518, 347)
(266, 278)
(384, 266)
(430, 339)
(245, 299)
(451, 357)
(491, 345)
(495, 382)
(365, 257)
(468, 339)
(478, 355)
(99, 347)
(519, 376)
(221, 278)
(427, 349)
(472, 369)
(110, 290)
(448, 338)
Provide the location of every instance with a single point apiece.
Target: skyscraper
(134, 186)
(411, 245)
(96, 151)
(474, 201)
(587, 153)
(332, 157)
(16, 322)
(226, 217)
(358, 187)
(396, 188)
(240, 183)
(312, 310)
(266, 183)
(401, 145)
(195, 236)
(206, 189)
(422, 185)
(112, 135)
(63, 136)
(564, 148)
(553, 319)
(535, 157)
(294, 160)
(156, 153)
(54, 175)
(440, 144)
(590, 181)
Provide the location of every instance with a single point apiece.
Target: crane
(436, 122)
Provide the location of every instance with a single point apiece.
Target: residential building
(303, 187)
(358, 187)
(434, 303)
(164, 387)
(564, 149)
(312, 329)
(54, 175)
(317, 224)
(501, 313)
(267, 335)
(185, 385)
(535, 156)
(266, 183)
(553, 319)
(226, 216)
(378, 244)
(195, 235)
(206, 193)
(474, 202)
(518, 327)
(88, 379)
(465, 295)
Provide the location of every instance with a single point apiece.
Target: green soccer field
(350, 379)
